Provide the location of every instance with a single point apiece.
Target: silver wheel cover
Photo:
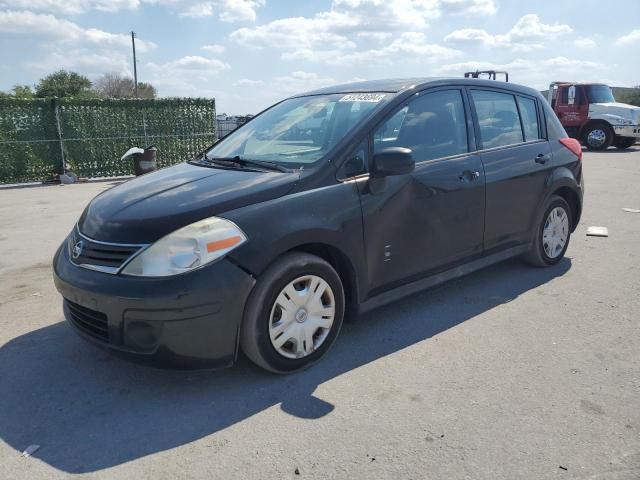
(555, 232)
(597, 137)
(302, 316)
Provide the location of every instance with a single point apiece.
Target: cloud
(71, 7)
(376, 36)
(348, 19)
(409, 45)
(191, 64)
(631, 38)
(567, 63)
(527, 34)
(240, 10)
(483, 7)
(298, 32)
(298, 82)
(213, 48)
(49, 26)
(520, 65)
(246, 82)
(188, 76)
(584, 42)
(197, 10)
(90, 62)
(534, 73)
(227, 10)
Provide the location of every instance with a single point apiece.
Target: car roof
(399, 85)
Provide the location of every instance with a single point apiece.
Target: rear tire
(623, 142)
(552, 235)
(293, 314)
(598, 136)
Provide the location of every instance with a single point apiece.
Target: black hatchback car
(328, 203)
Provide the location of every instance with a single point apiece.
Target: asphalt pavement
(510, 373)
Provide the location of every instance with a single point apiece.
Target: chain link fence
(42, 137)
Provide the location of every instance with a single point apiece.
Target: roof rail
(491, 74)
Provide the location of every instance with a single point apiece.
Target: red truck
(590, 113)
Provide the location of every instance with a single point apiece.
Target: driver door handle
(541, 158)
(469, 176)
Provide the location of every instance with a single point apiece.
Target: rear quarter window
(555, 129)
(529, 115)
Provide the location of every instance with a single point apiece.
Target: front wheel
(552, 235)
(598, 137)
(623, 142)
(293, 314)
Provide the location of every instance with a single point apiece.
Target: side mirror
(392, 161)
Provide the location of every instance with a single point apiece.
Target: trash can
(146, 161)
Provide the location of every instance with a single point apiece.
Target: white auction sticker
(363, 97)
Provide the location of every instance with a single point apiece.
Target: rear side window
(432, 125)
(529, 118)
(555, 129)
(498, 118)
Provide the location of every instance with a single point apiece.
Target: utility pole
(135, 67)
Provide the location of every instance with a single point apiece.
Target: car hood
(146, 208)
(623, 110)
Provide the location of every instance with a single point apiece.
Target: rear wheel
(294, 313)
(553, 234)
(598, 136)
(623, 142)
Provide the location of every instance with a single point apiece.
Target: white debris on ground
(597, 232)
(631, 210)
(30, 450)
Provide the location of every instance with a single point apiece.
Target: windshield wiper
(245, 162)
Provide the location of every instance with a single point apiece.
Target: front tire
(552, 235)
(623, 142)
(598, 136)
(293, 314)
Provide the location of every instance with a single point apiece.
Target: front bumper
(186, 321)
(627, 130)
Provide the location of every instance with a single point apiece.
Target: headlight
(187, 248)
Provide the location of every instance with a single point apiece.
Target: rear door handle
(541, 158)
(469, 176)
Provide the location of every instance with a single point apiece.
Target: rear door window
(498, 118)
(529, 116)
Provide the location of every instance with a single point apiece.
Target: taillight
(573, 145)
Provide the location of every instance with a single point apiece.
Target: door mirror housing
(392, 161)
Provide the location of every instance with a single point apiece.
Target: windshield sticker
(363, 97)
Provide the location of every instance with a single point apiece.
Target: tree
(146, 90)
(22, 91)
(18, 91)
(632, 96)
(114, 85)
(63, 84)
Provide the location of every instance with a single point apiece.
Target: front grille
(101, 256)
(88, 321)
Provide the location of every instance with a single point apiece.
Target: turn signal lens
(573, 145)
(223, 244)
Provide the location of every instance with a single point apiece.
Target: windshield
(599, 94)
(298, 131)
